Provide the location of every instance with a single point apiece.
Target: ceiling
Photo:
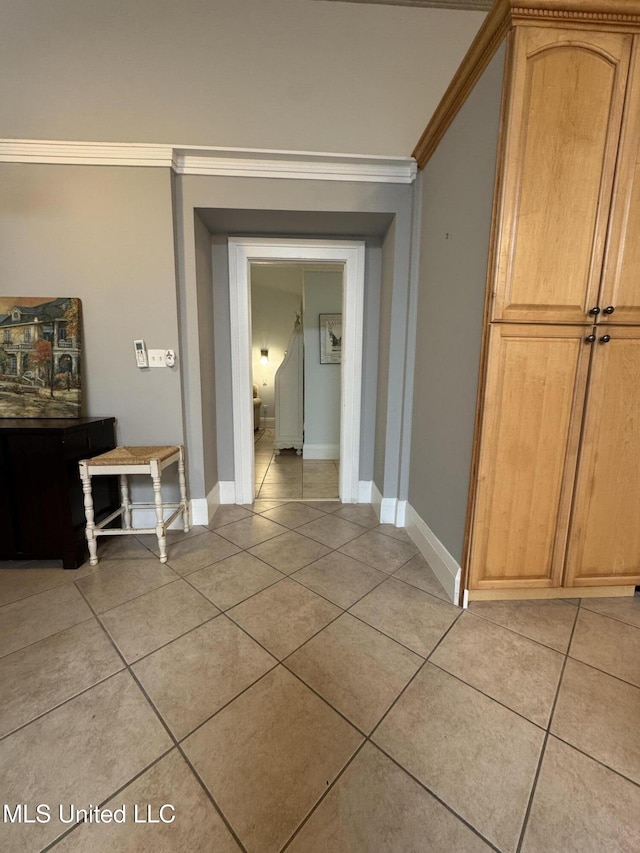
(476, 5)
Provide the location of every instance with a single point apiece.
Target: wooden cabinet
(564, 115)
(41, 501)
(555, 479)
(532, 411)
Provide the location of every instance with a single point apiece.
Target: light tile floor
(294, 678)
(292, 477)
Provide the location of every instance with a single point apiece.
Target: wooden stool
(134, 460)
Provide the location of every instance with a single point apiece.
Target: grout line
(439, 799)
(324, 795)
(103, 803)
(544, 743)
(42, 639)
(568, 743)
(168, 731)
(524, 636)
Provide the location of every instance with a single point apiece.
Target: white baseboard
(227, 491)
(444, 566)
(389, 510)
(199, 511)
(364, 491)
(212, 502)
(321, 451)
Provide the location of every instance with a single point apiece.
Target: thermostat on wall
(140, 349)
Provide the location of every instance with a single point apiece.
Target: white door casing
(242, 252)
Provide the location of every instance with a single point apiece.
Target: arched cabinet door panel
(621, 281)
(563, 124)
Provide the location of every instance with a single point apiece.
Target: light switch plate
(157, 357)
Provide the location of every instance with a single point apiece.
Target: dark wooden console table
(41, 502)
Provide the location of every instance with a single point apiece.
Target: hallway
(291, 477)
(293, 678)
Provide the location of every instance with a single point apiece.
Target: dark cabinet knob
(605, 339)
(609, 309)
(595, 311)
(590, 339)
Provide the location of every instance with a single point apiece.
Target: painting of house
(40, 357)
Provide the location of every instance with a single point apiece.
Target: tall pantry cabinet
(555, 480)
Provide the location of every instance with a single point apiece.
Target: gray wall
(322, 295)
(456, 216)
(105, 235)
(204, 284)
(285, 74)
(262, 201)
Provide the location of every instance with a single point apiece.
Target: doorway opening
(349, 255)
(296, 322)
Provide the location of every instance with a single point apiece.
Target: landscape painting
(40, 354)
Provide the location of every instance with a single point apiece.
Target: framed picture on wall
(330, 338)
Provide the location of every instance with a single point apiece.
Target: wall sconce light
(264, 356)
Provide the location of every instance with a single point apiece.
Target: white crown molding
(201, 160)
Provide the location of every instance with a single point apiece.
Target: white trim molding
(444, 566)
(351, 253)
(227, 491)
(210, 160)
(365, 488)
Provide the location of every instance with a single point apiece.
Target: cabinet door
(604, 542)
(562, 132)
(531, 422)
(621, 284)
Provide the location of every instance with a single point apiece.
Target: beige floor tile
(193, 677)
(600, 715)
(286, 474)
(41, 676)
(356, 669)
(194, 553)
(121, 581)
(362, 514)
(608, 645)
(284, 616)
(78, 754)
(547, 622)
(144, 624)
(521, 674)
(340, 579)
(150, 540)
(229, 513)
(18, 582)
(331, 531)
(476, 755)
(126, 547)
(262, 506)
(382, 552)
(232, 580)
(285, 491)
(418, 573)
(324, 506)
(293, 515)
(395, 532)
(317, 492)
(197, 826)
(581, 807)
(268, 757)
(376, 806)
(626, 609)
(38, 616)
(290, 551)
(406, 614)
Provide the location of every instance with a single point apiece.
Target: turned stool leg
(183, 491)
(157, 495)
(124, 500)
(88, 512)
